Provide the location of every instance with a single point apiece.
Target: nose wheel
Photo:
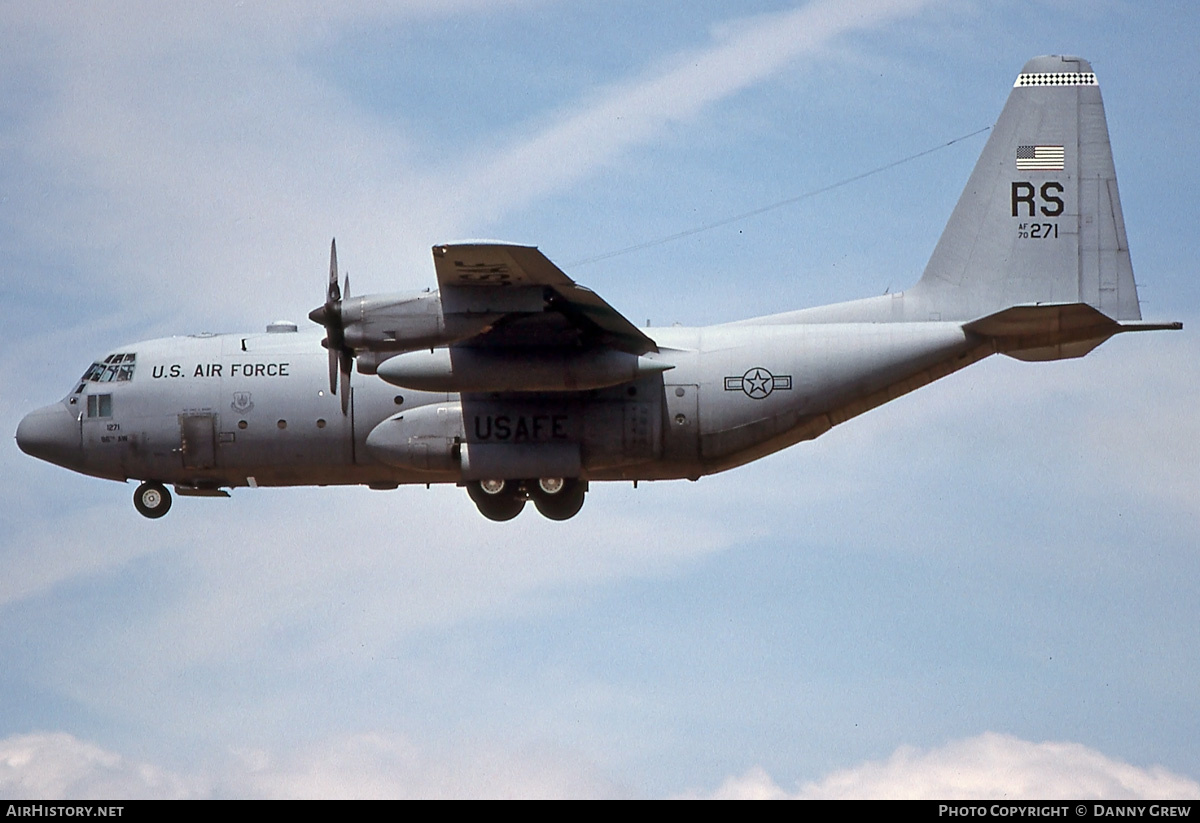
(152, 500)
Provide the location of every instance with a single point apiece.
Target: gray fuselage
(236, 410)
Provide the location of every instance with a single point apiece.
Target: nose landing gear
(152, 500)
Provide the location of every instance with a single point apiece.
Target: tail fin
(1040, 219)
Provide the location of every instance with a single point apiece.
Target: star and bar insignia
(758, 383)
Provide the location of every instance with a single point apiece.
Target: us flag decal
(1040, 158)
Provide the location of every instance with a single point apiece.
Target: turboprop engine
(406, 322)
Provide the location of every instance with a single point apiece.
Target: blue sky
(988, 587)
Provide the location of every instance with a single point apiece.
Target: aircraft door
(197, 440)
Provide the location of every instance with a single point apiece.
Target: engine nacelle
(427, 438)
(407, 322)
(467, 369)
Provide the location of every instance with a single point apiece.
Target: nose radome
(51, 433)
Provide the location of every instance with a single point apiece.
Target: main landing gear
(152, 500)
(556, 498)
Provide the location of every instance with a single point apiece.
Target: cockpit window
(115, 368)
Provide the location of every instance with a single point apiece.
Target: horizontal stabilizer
(1053, 331)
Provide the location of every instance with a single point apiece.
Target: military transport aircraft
(520, 384)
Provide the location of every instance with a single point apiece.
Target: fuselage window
(99, 405)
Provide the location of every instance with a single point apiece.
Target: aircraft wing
(541, 305)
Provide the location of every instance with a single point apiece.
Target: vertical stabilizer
(1040, 219)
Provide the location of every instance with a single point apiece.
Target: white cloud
(381, 765)
(54, 765)
(994, 766)
(747, 52)
(374, 765)
(369, 765)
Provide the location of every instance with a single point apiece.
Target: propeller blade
(333, 295)
(330, 316)
(333, 370)
(346, 362)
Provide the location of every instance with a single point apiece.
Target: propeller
(345, 355)
(329, 315)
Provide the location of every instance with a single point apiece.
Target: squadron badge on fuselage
(241, 402)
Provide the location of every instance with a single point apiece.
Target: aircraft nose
(51, 433)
